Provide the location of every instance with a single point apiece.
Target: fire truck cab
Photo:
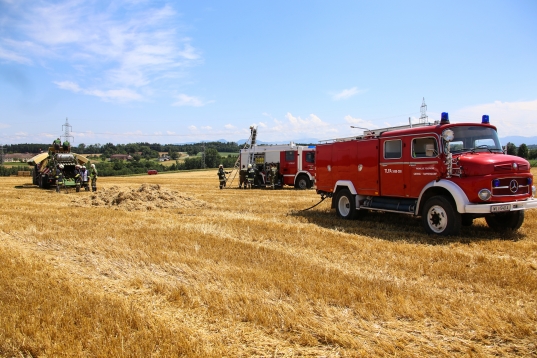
(295, 164)
(449, 174)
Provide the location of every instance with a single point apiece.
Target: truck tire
(345, 205)
(439, 217)
(512, 220)
(302, 182)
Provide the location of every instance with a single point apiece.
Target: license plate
(500, 208)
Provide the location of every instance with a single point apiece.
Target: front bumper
(530, 203)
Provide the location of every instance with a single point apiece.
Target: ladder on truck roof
(237, 167)
(375, 133)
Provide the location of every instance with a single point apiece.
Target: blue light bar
(496, 183)
(444, 119)
(485, 119)
(311, 146)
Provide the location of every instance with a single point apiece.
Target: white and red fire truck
(446, 173)
(295, 164)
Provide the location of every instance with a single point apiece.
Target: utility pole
(66, 128)
(1, 154)
(203, 165)
(423, 110)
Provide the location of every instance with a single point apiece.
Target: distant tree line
(147, 150)
(523, 151)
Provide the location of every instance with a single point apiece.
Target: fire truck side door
(288, 166)
(392, 177)
(308, 161)
(423, 163)
(364, 170)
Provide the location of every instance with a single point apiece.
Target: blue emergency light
(496, 183)
(444, 119)
(485, 119)
(311, 146)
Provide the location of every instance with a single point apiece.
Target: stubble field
(169, 265)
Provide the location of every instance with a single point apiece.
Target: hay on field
(146, 197)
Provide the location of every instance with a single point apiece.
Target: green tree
(212, 158)
(522, 151)
(511, 149)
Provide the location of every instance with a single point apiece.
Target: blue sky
(180, 71)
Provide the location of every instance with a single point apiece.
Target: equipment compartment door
(392, 178)
(288, 166)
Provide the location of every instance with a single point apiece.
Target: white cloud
(510, 118)
(185, 100)
(229, 126)
(121, 95)
(207, 128)
(192, 128)
(100, 45)
(358, 122)
(170, 133)
(11, 56)
(347, 93)
(296, 128)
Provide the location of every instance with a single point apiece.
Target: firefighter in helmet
(274, 174)
(251, 176)
(93, 177)
(84, 177)
(222, 176)
(59, 177)
(242, 177)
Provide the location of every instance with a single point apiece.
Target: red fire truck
(295, 164)
(446, 173)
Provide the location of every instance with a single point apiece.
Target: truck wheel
(345, 205)
(505, 221)
(302, 182)
(440, 217)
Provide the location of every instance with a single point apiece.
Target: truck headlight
(484, 194)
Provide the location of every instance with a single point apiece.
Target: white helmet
(61, 166)
(93, 165)
(220, 166)
(83, 167)
(77, 166)
(249, 166)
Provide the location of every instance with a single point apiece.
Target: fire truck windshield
(475, 139)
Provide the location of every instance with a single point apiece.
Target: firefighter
(93, 177)
(77, 176)
(84, 177)
(222, 176)
(59, 177)
(251, 176)
(274, 174)
(242, 177)
(57, 143)
(268, 171)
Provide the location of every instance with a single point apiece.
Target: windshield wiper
(483, 146)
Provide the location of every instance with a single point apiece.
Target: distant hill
(518, 140)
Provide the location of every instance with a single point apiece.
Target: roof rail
(375, 132)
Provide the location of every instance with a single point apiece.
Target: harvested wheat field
(169, 265)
